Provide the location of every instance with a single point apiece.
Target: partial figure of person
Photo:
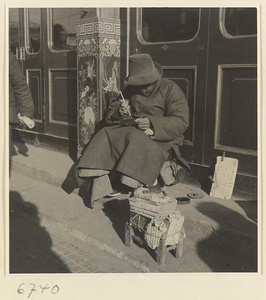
(21, 105)
(144, 130)
(60, 38)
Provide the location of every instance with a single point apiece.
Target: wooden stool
(138, 223)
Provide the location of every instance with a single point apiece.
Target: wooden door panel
(63, 105)
(33, 28)
(182, 52)
(231, 102)
(34, 79)
(61, 70)
(237, 114)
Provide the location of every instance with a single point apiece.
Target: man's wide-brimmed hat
(143, 70)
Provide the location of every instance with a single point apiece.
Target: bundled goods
(169, 226)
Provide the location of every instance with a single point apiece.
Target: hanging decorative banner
(224, 177)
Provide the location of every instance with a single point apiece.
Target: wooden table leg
(128, 235)
(161, 252)
(179, 246)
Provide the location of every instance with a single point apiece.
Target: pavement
(222, 226)
(38, 246)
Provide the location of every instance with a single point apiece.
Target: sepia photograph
(133, 142)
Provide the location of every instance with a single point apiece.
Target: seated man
(145, 131)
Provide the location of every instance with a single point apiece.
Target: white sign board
(224, 177)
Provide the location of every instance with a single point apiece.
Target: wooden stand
(138, 223)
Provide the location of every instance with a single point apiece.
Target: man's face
(145, 90)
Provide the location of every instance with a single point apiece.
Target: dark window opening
(169, 24)
(13, 29)
(33, 42)
(240, 21)
(64, 26)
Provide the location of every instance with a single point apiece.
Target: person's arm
(176, 119)
(20, 87)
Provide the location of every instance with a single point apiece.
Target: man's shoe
(114, 193)
(118, 188)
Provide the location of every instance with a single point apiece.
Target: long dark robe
(127, 150)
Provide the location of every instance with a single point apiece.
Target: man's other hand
(143, 123)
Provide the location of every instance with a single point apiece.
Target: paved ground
(50, 233)
(36, 249)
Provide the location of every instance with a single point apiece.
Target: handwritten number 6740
(54, 289)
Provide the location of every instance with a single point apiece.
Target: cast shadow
(206, 179)
(16, 146)
(233, 247)
(250, 207)
(21, 147)
(118, 213)
(30, 244)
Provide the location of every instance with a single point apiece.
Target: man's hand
(143, 123)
